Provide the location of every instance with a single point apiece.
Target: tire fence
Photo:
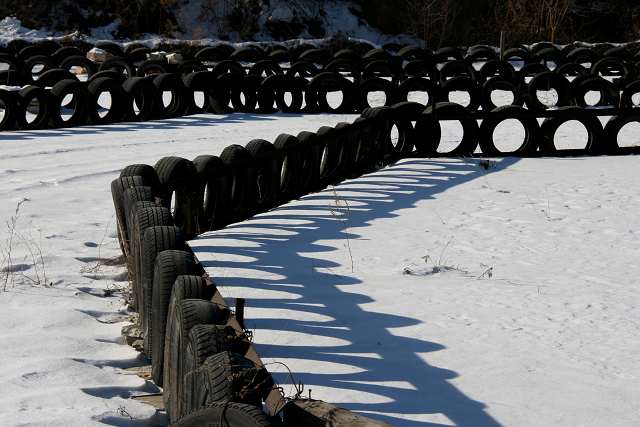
(49, 85)
(200, 353)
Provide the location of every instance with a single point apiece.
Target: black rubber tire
(264, 180)
(118, 100)
(247, 54)
(346, 67)
(571, 69)
(170, 82)
(50, 77)
(226, 414)
(620, 70)
(453, 69)
(144, 215)
(155, 240)
(465, 84)
(201, 81)
(229, 67)
(498, 115)
(65, 52)
(419, 84)
(31, 62)
(273, 89)
(304, 69)
(265, 68)
(130, 197)
(119, 65)
(137, 54)
(188, 66)
(247, 89)
(217, 53)
(82, 61)
(202, 342)
(498, 83)
(289, 152)
(212, 176)
(611, 131)
(413, 53)
(609, 95)
(401, 117)
(595, 143)
(81, 100)
(228, 377)
(548, 80)
(311, 154)
(583, 55)
(185, 311)
(148, 174)
(8, 104)
(626, 100)
(376, 85)
(25, 97)
(12, 77)
(168, 266)
(237, 162)
(327, 82)
(152, 66)
(496, 68)
(330, 155)
(118, 187)
(144, 93)
(430, 132)
(179, 176)
(108, 73)
(421, 68)
(111, 47)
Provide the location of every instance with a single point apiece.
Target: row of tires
(73, 103)
(197, 357)
(210, 192)
(21, 51)
(376, 63)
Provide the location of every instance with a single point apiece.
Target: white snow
(60, 347)
(432, 291)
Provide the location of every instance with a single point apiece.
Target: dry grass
(30, 268)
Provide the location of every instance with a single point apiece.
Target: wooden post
(502, 37)
(316, 413)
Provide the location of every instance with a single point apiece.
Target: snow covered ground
(433, 292)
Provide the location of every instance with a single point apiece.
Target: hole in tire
(571, 135)
(198, 99)
(167, 98)
(451, 132)
(33, 110)
(629, 135)
(68, 106)
(104, 104)
(394, 135)
(460, 97)
(421, 97)
(592, 97)
(376, 98)
(509, 135)
(502, 97)
(334, 99)
(548, 98)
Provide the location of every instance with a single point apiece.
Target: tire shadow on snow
(200, 120)
(270, 251)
